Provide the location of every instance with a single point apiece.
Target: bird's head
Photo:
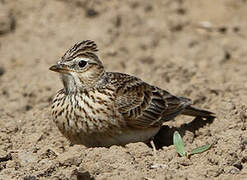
(80, 67)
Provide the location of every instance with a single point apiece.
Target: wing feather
(143, 105)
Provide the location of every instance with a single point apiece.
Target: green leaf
(179, 144)
(201, 149)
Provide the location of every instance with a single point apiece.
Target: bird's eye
(82, 63)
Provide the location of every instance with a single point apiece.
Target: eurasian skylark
(99, 108)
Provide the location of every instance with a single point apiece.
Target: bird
(97, 108)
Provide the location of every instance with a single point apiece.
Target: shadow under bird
(99, 108)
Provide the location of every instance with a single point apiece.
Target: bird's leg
(154, 149)
(155, 164)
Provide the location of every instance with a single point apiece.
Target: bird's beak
(59, 68)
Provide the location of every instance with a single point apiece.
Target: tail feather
(191, 111)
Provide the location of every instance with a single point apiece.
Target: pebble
(2, 70)
(80, 174)
(7, 21)
(26, 158)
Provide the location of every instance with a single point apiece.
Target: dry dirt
(194, 48)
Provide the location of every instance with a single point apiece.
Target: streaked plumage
(98, 108)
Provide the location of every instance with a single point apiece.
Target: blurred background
(193, 48)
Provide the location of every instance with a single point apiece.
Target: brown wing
(143, 105)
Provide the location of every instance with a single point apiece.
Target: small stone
(181, 11)
(148, 8)
(47, 172)
(11, 164)
(234, 171)
(222, 30)
(147, 60)
(28, 107)
(7, 21)
(26, 158)
(2, 71)
(236, 29)
(80, 174)
(91, 12)
(227, 55)
(118, 21)
(47, 152)
(29, 178)
(205, 25)
(68, 159)
(243, 116)
(238, 165)
(177, 27)
(228, 106)
(4, 156)
(155, 166)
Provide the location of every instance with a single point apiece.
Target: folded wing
(143, 105)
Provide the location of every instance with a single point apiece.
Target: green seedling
(180, 148)
(179, 144)
(201, 149)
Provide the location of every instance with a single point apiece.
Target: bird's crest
(86, 47)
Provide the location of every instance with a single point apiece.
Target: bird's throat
(72, 82)
(69, 83)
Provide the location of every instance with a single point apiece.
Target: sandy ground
(193, 48)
